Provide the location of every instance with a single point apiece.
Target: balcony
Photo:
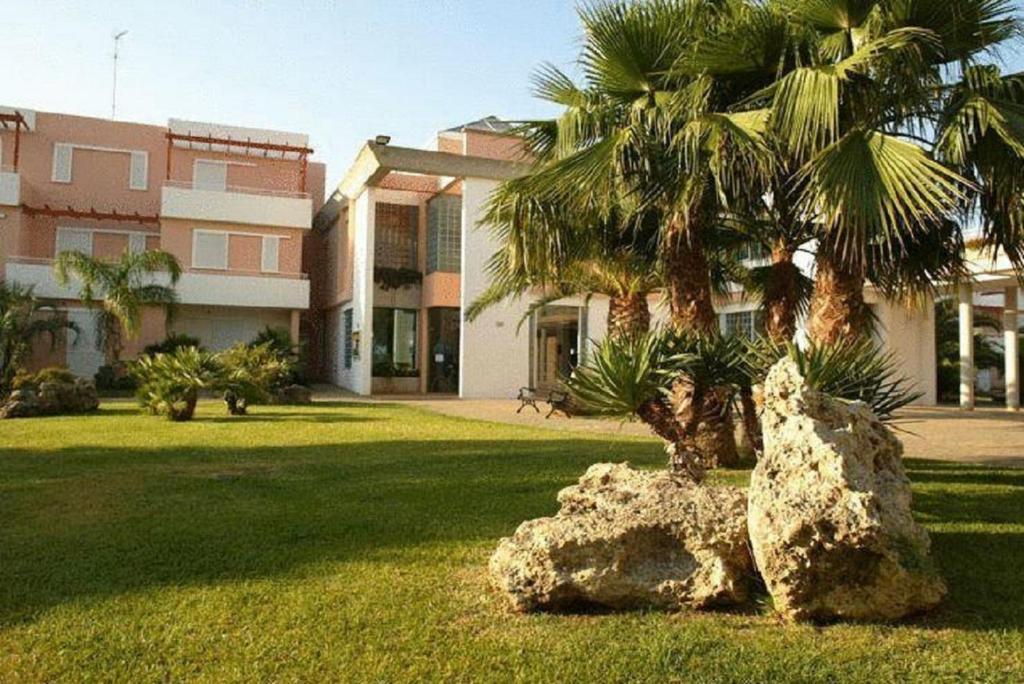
(208, 288)
(234, 288)
(251, 206)
(10, 187)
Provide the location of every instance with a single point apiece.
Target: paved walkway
(991, 436)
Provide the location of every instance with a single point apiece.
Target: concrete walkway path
(990, 436)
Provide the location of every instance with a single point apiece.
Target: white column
(966, 311)
(1010, 348)
(494, 351)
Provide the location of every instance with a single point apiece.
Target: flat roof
(375, 161)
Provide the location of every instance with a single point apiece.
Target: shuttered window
(209, 175)
(271, 254)
(747, 324)
(74, 240)
(137, 243)
(138, 178)
(62, 153)
(209, 250)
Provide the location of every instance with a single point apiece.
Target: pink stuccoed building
(233, 204)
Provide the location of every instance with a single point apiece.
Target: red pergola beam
(231, 142)
(248, 144)
(18, 120)
(91, 214)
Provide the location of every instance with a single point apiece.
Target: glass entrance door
(443, 350)
(556, 345)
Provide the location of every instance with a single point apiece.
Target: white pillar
(1010, 348)
(966, 311)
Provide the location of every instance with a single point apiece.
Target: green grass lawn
(349, 542)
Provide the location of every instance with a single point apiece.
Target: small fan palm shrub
(169, 384)
(280, 342)
(251, 375)
(23, 319)
(171, 343)
(641, 376)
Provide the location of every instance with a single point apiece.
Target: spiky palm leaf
(855, 371)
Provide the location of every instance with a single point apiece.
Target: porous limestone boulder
(829, 510)
(626, 538)
(52, 397)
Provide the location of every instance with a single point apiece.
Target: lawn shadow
(93, 522)
(974, 511)
(119, 520)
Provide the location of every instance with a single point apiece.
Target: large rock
(626, 538)
(51, 397)
(829, 510)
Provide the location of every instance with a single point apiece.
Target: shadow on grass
(91, 522)
(100, 521)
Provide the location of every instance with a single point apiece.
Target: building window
(74, 240)
(269, 262)
(209, 175)
(747, 324)
(394, 341)
(348, 337)
(444, 234)
(395, 236)
(62, 154)
(209, 250)
(137, 243)
(138, 177)
(753, 251)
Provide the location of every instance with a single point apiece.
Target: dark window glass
(395, 236)
(394, 339)
(348, 338)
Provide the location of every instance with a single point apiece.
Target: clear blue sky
(342, 71)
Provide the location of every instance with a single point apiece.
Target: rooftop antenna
(113, 95)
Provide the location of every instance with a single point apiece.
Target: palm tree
(579, 255)
(23, 319)
(121, 290)
(646, 134)
(645, 131)
(894, 128)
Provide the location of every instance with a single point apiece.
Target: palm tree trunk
(628, 314)
(751, 423)
(782, 296)
(683, 452)
(689, 282)
(838, 311)
(689, 286)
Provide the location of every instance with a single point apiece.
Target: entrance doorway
(443, 350)
(556, 345)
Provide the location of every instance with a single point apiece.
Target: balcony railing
(244, 272)
(239, 189)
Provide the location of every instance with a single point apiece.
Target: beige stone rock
(829, 510)
(626, 538)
